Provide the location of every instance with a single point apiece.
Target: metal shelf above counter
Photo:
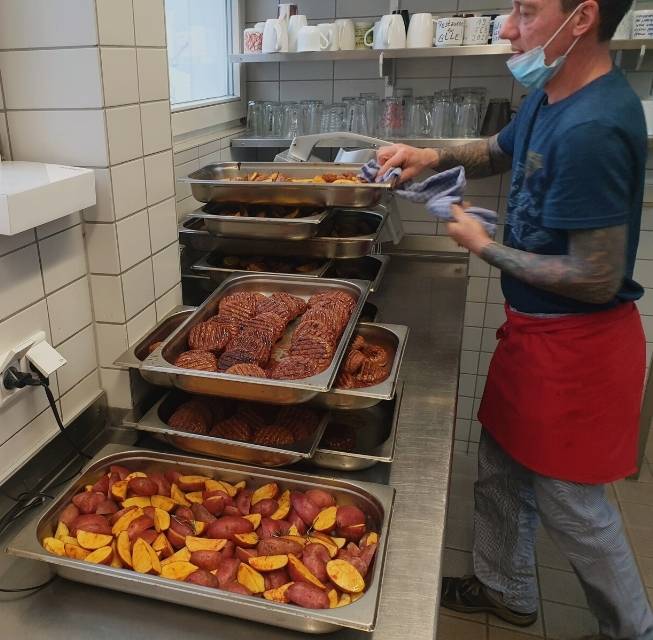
(393, 54)
(246, 142)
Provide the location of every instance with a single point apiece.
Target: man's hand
(412, 161)
(467, 231)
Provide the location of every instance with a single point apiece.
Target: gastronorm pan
(207, 265)
(194, 233)
(370, 268)
(156, 419)
(375, 433)
(376, 500)
(391, 336)
(212, 184)
(250, 388)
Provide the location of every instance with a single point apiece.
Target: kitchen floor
(563, 609)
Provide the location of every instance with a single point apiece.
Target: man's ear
(587, 18)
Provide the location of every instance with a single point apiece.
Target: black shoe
(469, 595)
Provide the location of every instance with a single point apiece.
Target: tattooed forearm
(480, 159)
(591, 272)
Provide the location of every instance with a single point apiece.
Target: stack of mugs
(290, 32)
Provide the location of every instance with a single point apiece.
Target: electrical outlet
(17, 357)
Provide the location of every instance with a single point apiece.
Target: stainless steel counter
(427, 294)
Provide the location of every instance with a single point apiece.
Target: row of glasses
(283, 119)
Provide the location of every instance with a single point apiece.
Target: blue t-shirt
(576, 164)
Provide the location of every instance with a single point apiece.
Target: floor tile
(548, 555)
(564, 622)
(641, 540)
(457, 563)
(536, 629)
(562, 587)
(635, 492)
(459, 534)
(505, 634)
(646, 569)
(637, 515)
(456, 629)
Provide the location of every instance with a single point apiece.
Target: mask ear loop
(562, 26)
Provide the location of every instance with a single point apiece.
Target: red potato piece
(184, 513)
(244, 501)
(172, 476)
(102, 485)
(308, 596)
(367, 556)
(149, 535)
(92, 523)
(293, 518)
(88, 501)
(202, 514)
(227, 571)
(209, 560)
(276, 578)
(229, 550)
(271, 528)
(227, 526)
(214, 505)
(122, 472)
(204, 579)
(107, 507)
(304, 508)
(191, 483)
(149, 511)
(236, 587)
(315, 557)
(245, 554)
(320, 498)
(143, 487)
(265, 507)
(357, 562)
(231, 510)
(117, 515)
(68, 515)
(277, 547)
(138, 526)
(350, 522)
(163, 487)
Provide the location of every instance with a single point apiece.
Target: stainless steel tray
(375, 430)
(366, 268)
(390, 336)
(156, 419)
(375, 500)
(249, 388)
(193, 233)
(211, 184)
(206, 265)
(266, 228)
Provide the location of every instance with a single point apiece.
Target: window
(199, 44)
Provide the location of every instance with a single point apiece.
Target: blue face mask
(530, 68)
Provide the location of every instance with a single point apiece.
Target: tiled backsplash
(87, 84)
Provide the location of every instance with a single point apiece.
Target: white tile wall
(128, 182)
(138, 288)
(70, 310)
(111, 342)
(133, 239)
(168, 301)
(153, 74)
(115, 22)
(119, 75)
(150, 25)
(155, 117)
(22, 280)
(166, 269)
(159, 178)
(124, 133)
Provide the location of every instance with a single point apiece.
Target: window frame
(191, 117)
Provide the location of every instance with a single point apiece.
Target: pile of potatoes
(286, 546)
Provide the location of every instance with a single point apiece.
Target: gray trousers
(510, 500)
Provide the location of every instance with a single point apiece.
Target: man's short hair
(611, 14)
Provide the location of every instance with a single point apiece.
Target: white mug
(275, 36)
(421, 31)
(346, 34)
(497, 25)
(330, 32)
(259, 26)
(477, 30)
(449, 32)
(625, 29)
(294, 25)
(285, 11)
(376, 39)
(643, 25)
(392, 32)
(310, 38)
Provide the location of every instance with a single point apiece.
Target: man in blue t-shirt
(560, 410)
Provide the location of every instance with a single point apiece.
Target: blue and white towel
(438, 193)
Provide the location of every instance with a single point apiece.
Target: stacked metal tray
(155, 421)
(215, 183)
(329, 243)
(375, 500)
(374, 431)
(161, 361)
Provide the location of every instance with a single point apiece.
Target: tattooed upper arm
(480, 159)
(591, 272)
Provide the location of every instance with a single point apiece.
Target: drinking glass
(255, 118)
(467, 117)
(334, 118)
(311, 116)
(292, 118)
(392, 118)
(419, 118)
(357, 117)
(372, 105)
(442, 115)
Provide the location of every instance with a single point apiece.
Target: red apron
(563, 395)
